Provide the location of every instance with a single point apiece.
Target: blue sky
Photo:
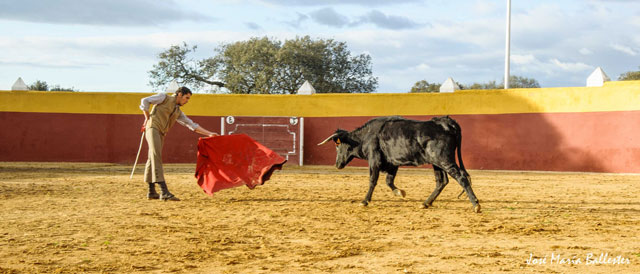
(97, 45)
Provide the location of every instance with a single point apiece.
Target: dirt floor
(74, 218)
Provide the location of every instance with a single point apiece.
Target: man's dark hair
(183, 90)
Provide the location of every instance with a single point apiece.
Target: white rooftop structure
(306, 89)
(19, 85)
(597, 78)
(173, 86)
(449, 86)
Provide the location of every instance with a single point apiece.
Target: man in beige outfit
(166, 111)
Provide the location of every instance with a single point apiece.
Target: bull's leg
(465, 174)
(462, 191)
(441, 176)
(391, 175)
(463, 180)
(373, 180)
(441, 181)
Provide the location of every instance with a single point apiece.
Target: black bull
(389, 142)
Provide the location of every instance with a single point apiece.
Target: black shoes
(168, 197)
(165, 196)
(153, 196)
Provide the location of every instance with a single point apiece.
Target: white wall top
(449, 86)
(172, 87)
(19, 85)
(306, 89)
(597, 78)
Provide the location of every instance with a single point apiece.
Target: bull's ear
(337, 141)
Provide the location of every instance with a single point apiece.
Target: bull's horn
(328, 138)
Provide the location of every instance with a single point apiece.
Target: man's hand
(205, 132)
(146, 118)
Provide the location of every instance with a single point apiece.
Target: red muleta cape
(234, 160)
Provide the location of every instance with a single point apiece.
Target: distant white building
(306, 89)
(449, 86)
(597, 78)
(172, 87)
(19, 85)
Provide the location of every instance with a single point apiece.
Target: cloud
(98, 12)
(585, 51)
(253, 26)
(387, 21)
(485, 7)
(298, 21)
(523, 59)
(105, 50)
(367, 3)
(568, 66)
(422, 67)
(623, 49)
(329, 17)
(484, 33)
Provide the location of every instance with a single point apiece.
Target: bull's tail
(451, 125)
(459, 151)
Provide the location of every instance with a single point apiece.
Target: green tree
(487, 85)
(522, 82)
(514, 82)
(59, 88)
(39, 86)
(176, 64)
(43, 86)
(268, 66)
(424, 86)
(250, 66)
(629, 75)
(326, 64)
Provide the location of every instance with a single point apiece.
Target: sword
(137, 156)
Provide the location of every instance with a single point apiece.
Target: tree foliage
(39, 86)
(268, 66)
(424, 86)
(59, 88)
(514, 82)
(522, 82)
(176, 64)
(43, 86)
(629, 75)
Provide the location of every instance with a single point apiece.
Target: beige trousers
(153, 171)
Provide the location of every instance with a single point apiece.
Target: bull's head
(346, 147)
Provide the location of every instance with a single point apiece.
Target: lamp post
(507, 46)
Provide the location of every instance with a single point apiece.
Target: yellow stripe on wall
(613, 96)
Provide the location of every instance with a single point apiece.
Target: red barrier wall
(555, 129)
(593, 142)
(111, 138)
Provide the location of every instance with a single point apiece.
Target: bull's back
(405, 142)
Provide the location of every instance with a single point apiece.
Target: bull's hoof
(425, 206)
(399, 192)
(476, 208)
(364, 203)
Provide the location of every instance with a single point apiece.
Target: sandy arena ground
(75, 218)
